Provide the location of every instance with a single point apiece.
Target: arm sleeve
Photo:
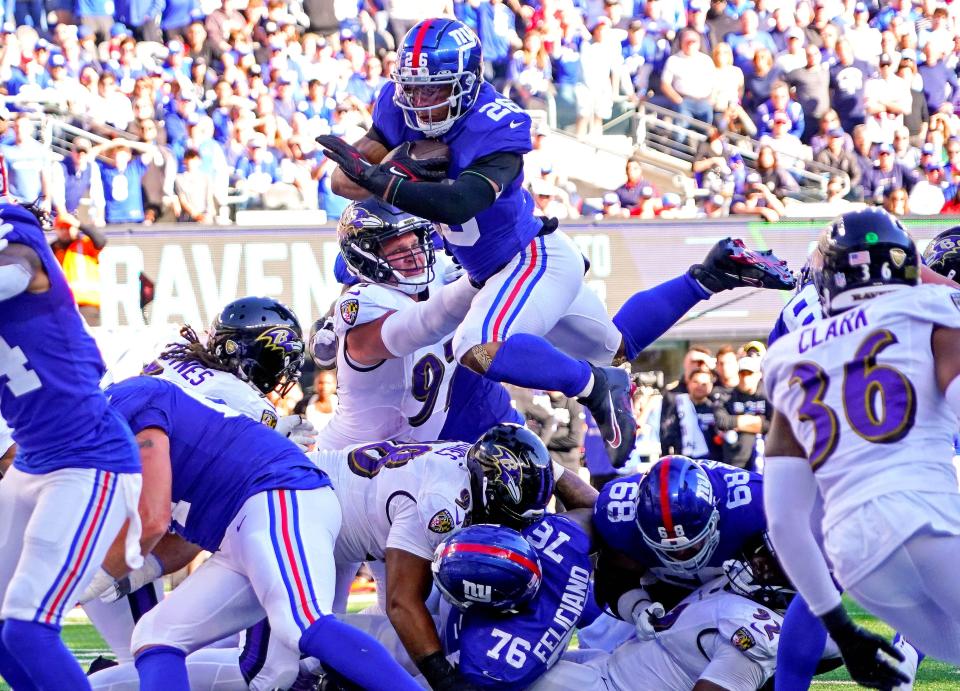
(467, 196)
(731, 669)
(789, 497)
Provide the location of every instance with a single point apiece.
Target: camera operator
(742, 415)
(77, 248)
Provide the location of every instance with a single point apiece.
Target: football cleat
(612, 409)
(731, 264)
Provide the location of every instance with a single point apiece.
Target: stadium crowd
(205, 104)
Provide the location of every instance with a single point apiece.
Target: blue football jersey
(485, 243)
(50, 370)
(476, 405)
(219, 458)
(511, 651)
(742, 520)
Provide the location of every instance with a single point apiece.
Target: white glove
(101, 584)
(4, 229)
(298, 429)
(151, 570)
(323, 344)
(452, 272)
(643, 615)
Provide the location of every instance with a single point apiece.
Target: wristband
(436, 669)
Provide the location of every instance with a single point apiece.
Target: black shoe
(731, 264)
(99, 664)
(609, 403)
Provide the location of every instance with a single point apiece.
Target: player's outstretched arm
(573, 491)
(420, 325)
(408, 584)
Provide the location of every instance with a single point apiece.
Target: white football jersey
(403, 496)
(697, 628)
(861, 395)
(6, 437)
(220, 387)
(401, 398)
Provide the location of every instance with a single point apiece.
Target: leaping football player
(533, 322)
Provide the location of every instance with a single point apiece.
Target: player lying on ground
(533, 322)
(76, 476)
(887, 357)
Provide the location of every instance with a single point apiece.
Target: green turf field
(933, 676)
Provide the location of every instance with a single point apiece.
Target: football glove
(861, 652)
(731, 264)
(427, 170)
(441, 675)
(101, 584)
(151, 570)
(297, 429)
(323, 344)
(645, 616)
(381, 180)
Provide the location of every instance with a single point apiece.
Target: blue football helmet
(677, 514)
(488, 566)
(440, 63)
(943, 253)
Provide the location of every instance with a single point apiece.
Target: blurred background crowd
(134, 111)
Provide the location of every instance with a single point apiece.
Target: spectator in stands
(96, 16)
(864, 38)
(727, 371)
(82, 185)
(780, 102)
(713, 206)
(829, 121)
(143, 16)
(123, 178)
(176, 17)
(776, 179)
(550, 201)
(940, 84)
(886, 174)
(952, 168)
(365, 85)
(895, 201)
(114, 108)
(811, 86)
(742, 415)
(601, 59)
(640, 57)
(158, 180)
(26, 160)
(848, 77)
(905, 153)
(721, 20)
(835, 156)
(595, 455)
(530, 73)
(790, 150)
(497, 30)
(322, 403)
(697, 20)
(758, 200)
(688, 78)
(697, 357)
(794, 57)
(749, 38)
(717, 166)
(886, 97)
(927, 196)
(728, 86)
(195, 191)
(687, 419)
(916, 121)
(256, 171)
(953, 203)
(633, 190)
(611, 207)
(758, 79)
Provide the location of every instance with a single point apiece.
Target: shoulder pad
(752, 629)
(364, 303)
(932, 303)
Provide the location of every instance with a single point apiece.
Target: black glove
(730, 264)
(441, 675)
(860, 650)
(404, 165)
(380, 180)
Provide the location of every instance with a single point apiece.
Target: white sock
(588, 388)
